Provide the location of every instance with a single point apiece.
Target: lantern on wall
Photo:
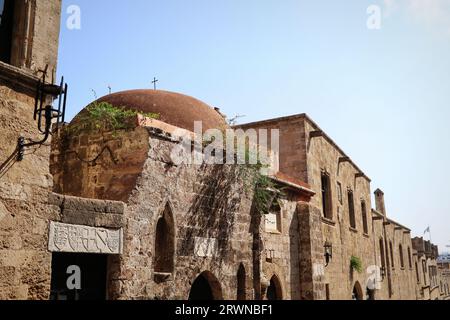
(328, 248)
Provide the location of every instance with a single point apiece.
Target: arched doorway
(357, 292)
(241, 284)
(206, 288)
(274, 291)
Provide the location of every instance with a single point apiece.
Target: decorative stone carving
(205, 247)
(83, 239)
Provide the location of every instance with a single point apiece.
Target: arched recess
(275, 291)
(206, 287)
(241, 283)
(357, 292)
(400, 252)
(164, 254)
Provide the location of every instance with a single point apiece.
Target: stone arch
(357, 293)
(241, 283)
(206, 287)
(275, 290)
(164, 253)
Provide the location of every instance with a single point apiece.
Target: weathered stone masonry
(24, 187)
(183, 231)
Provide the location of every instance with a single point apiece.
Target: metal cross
(154, 83)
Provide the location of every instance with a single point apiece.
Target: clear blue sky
(383, 95)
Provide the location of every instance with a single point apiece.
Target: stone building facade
(194, 216)
(28, 46)
(342, 208)
(114, 205)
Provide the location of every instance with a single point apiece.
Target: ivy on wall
(356, 264)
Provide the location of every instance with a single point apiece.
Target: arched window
(164, 243)
(6, 29)
(327, 204)
(274, 291)
(391, 249)
(409, 258)
(364, 217)
(357, 293)
(400, 252)
(241, 284)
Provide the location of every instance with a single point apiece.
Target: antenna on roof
(233, 121)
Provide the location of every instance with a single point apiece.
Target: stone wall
(36, 35)
(404, 278)
(281, 254)
(293, 146)
(305, 153)
(348, 242)
(430, 286)
(24, 186)
(99, 166)
(206, 204)
(303, 226)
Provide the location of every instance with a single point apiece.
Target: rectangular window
(391, 249)
(364, 217)
(409, 258)
(339, 193)
(351, 209)
(424, 270)
(430, 274)
(6, 28)
(400, 252)
(417, 273)
(273, 218)
(383, 259)
(327, 206)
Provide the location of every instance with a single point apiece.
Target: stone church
(114, 208)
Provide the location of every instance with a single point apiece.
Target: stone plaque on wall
(82, 239)
(205, 247)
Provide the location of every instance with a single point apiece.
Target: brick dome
(173, 108)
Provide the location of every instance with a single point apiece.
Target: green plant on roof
(103, 116)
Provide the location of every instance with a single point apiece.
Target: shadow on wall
(212, 213)
(294, 257)
(9, 163)
(14, 158)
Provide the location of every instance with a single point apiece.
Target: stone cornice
(22, 80)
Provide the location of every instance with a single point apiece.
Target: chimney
(379, 202)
